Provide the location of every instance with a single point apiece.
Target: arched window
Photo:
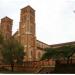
(39, 54)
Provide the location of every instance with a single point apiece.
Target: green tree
(64, 52)
(1, 47)
(67, 52)
(51, 53)
(1, 39)
(13, 52)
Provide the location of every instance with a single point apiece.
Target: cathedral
(26, 34)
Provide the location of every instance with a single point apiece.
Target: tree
(1, 47)
(1, 39)
(67, 52)
(13, 52)
(64, 52)
(51, 53)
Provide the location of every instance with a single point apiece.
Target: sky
(55, 19)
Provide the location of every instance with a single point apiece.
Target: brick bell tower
(27, 32)
(6, 27)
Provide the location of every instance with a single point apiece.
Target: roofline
(15, 33)
(26, 7)
(66, 43)
(7, 17)
(43, 42)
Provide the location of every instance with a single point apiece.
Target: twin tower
(26, 33)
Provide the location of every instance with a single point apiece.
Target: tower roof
(28, 7)
(6, 18)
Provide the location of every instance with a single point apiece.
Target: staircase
(44, 67)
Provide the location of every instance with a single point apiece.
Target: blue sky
(55, 19)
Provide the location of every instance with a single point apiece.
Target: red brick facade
(26, 34)
(6, 27)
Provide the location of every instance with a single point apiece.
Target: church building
(26, 35)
